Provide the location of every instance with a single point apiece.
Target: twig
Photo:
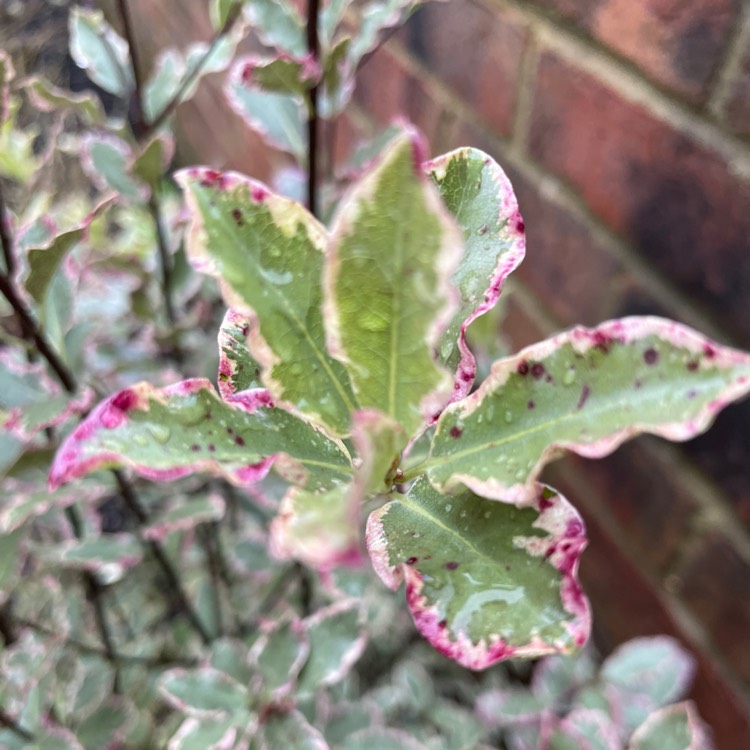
(176, 588)
(313, 47)
(165, 259)
(10, 261)
(9, 722)
(127, 23)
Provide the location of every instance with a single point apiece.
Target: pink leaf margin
(562, 548)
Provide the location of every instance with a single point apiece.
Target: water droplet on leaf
(159, 432)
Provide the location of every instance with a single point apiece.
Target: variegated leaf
(476, 580)
(388, 294)
(585, 391)
(238, 369)
(676, 727)
(478, 194)
(268, 252)
(169, 433)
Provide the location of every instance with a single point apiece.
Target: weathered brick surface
(737, 107)
(678, 202)
(677, 43)
(477, 51)
(715, 586)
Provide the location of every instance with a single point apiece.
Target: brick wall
(625, 127)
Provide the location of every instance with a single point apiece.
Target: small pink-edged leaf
(203, 692)
(479, 196)
(656, 667)
(290, 730)
(278, 656)
(278, 117)
(585, 729)
(268, 253)
(509, 707)
(109, 724)
(153, 159)
(56, 738)
(281, 75)
(676, 727)
(164, 434)
(586, 390)
(388, 297)
(344, 718)
(320, 529)
(94, 554)
(238, 369)
(44, 260)
(558, 676)
(47, 97)
(106, 160)
(337, 639)
(278, 24)
(204, 734)
(485, 581)
(184, 514)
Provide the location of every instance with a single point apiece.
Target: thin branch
(127, 24)
(313, 47)
(173, 579)
(5, 241)
(7, 721)
(165, 260)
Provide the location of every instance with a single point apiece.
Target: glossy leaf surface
(168, 433)
(392, 250)
(476, 584)
(586, 391)
(479, 196)
(268, 252)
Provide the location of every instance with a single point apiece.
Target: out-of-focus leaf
(107, 725)
(556, 676)
(47, 97)
(379, 738)
(585, 728)
(676, 727)
(281, 75)
(279, 656)
(278, 118)
(107, 161)
(17, 158)
(221, 10)
(184, 514)
(476, 580)
(7, 73)
(587, 391)
(268, 253)
(10, 561)
(100, 51)
(204, 734)
(290, 730)
(95, 553)
(337, 640)
(203, 692)
(169, 433)
(154, 158)
(392, 237)
(278, 24)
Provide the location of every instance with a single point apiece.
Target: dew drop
(569, 376)
(161, 433)
(448, 508)
(140, 440)
(490, 412)
(520, 475)
(487, 514)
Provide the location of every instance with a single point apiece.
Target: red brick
(477, 51)
(677, 43)
(641, 491)
(387, 90)
(626, 606)
(737, 109)
(716, 586)
(676, 201)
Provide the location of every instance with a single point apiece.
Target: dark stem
(32, 333)
(173, 580)
(313, 47)
(165, 260)
(10, 261)
(127, 26)
(7, 721)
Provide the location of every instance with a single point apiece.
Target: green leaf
(278, 656)
(47, 97)
(279, 118)
(107, 161)
(100, 51)
(676, 727)
(221, 10)
(379, 441)
(281, 75)
(45, 260)
(203, 692)
(476, 584)
(103, 727)
(392, 250)
(268, 253)
(278, 24)
(93, 554)
(7, 73)
(204, 734)
(238, 369)
(381, 738)
(290, 730)
(337, 640)
(480, 197)
(585, 391)
(184, 514)
(321, 529)
(586, 728)
(17, 158)
(337, 80)
(10, 561)
(168, 433)
(152, 162)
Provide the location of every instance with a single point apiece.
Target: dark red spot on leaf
(239, 440)
(585, 393)
(124, 400)
(650, 356)
(692, 365)
(259, 193)
(456, 432)
(211, 448)
(443, 624)
(520, 226)
(523, 367)
(530, 405)
(537, 370)
(451, 565)
(709, 350)
(237, 216)
(603, 342)
(411, 560)
(211, 177)
(195, 448)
